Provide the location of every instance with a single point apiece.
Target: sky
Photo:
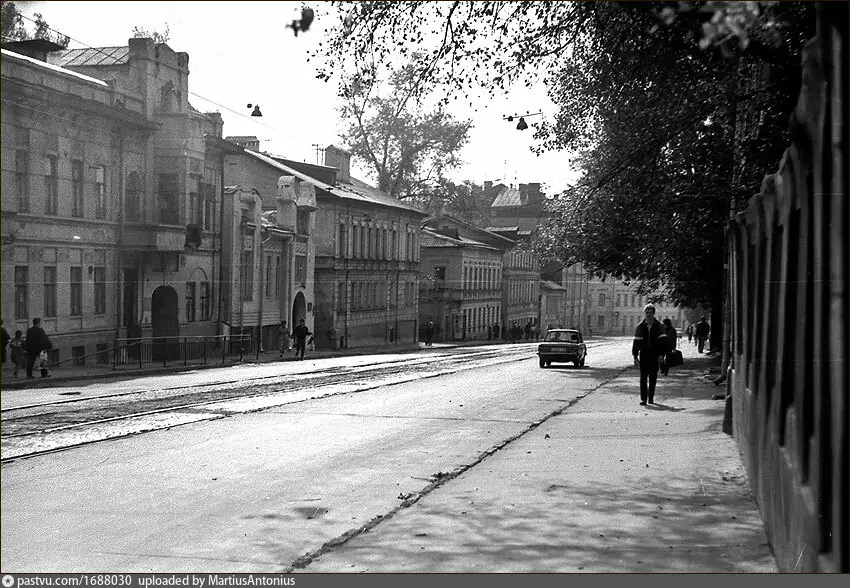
(241, 53)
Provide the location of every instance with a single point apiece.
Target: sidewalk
(604, 486)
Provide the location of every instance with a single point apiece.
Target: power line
(252, 119)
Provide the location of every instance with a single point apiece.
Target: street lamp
(521, 125)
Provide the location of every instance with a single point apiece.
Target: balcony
(155, 238)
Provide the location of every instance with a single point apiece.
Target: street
(272, 472)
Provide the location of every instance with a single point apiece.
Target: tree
(679, 110)
(14, 28)
(142, 32)
(406, 145)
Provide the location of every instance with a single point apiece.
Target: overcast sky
(241, 52)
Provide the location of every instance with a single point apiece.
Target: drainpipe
(220, 240)
(120, 261)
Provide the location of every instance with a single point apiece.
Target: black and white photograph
(302, 292)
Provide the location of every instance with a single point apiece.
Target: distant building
(552, 305)
(460, 290)
(367, 258)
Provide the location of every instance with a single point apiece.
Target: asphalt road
(251, 474)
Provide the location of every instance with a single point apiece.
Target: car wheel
(581, 363)
(542, 363)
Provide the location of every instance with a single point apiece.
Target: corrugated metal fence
(789, 277)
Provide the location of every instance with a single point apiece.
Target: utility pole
(319, 151)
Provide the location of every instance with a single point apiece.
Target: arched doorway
(299, 309)
(164, 322)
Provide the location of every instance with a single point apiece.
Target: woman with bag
(669, 359)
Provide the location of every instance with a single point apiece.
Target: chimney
(523, 193)
(341, 160)
(488, 184)
(288, 188)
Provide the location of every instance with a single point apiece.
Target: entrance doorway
(165, 323)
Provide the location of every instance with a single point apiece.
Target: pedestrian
(527, 331)
(702, 331)
(690, 332)
(516, 332)
(648, 345)
(283, 342)
(496, 329)
(37, 342)
(670, 337)
(537, 333)
(16, 346)
(429, 333)
(300, 334)
(5, 340)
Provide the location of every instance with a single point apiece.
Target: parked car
(562, 345)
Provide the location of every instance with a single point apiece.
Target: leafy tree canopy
(407, 146)
(678, 109)
(14, 27)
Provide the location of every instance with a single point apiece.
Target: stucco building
(460, 290)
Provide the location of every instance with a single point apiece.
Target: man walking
(37, 341)
(702, 331)
(301, 332)
(5, 336)
(649, 343)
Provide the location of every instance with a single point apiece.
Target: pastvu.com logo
(8, 581)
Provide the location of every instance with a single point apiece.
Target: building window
(78, 353)
(394, 252)
(102, 350)
(363, 251)
(302, 220)
(76, 290)
(50, 291)
(247, 275)
(340, 296)
(205, 301)
(301, 270)
(195, 200)
(602, 300)
(22, 172)
(133, 191)
(209, 205)
(100, 192)
(100, 290)
(77, 187)
(600, 321)
(21, 292)
(51, 185)
(167, 199)
(278, 276)
(190, 302)
(269, 268)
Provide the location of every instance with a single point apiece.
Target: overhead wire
(243, 115)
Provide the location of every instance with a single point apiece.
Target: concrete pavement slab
(607, 486)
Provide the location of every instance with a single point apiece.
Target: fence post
(224, 347)
(241, 346)
(114, 354)
(185, 351)
(166, 349)
(206, 342)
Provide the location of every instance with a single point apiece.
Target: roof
(52, 67)
(463, 223)
(95, 56)
(498, 230)
(507, 197)
(235, 138)
(429, 238)
(356, 190)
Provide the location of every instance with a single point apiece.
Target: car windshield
(571, 336)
